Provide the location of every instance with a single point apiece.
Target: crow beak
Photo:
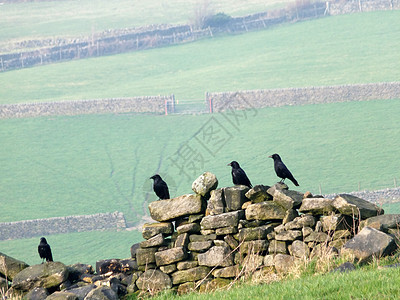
(229, 164)
(270, 156)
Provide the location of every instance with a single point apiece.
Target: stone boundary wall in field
(347, 7)
(302, 96)
(156, 104)
(39, 227)
(134, 39)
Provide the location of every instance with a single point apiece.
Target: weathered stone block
(289, 235)
(222, 220)
(276, 247)
(290, 215)
(267, 210)
(258, 194)
(62, 296)
(154, 280)
(170, 256)
(182, 240)
(170, 209)
(299, 249)
(227, 272)
(9, 267)
(205, 183)
(47, 275)
(216, 256)
(189, 264)
(288, 199)
(317, 206)
(168, 269)
(216, 204)
(230, 240)
(235, 197)
(319, 237)
(202, 238)
(336, 222)
(254, 247)
(154, 241)
(226, 230)
(369, 242)
(193, 274)
(190, 228)
(145, 256)
(353, 206)
(200, 246)
(383, 221)
(255, 233)
(152, 229)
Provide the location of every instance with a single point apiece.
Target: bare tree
(202, 10)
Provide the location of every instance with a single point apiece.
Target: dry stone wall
(302, 96)
(207, 239)
(347, 7)
(40, 227)
(148, 104)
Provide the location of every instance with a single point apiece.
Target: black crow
(160, 187)
(281, 170)
(44, 250)
(239, 177)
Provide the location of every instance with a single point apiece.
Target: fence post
(209, 29)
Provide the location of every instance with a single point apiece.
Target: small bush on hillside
(218, 20)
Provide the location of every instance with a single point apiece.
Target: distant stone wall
(348, 7)
(156, 104)
(39, 227)
(302, 96)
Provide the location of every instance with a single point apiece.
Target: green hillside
(344, 49)
(58, 166)
(42, 19)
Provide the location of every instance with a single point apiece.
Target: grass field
(360, 284)
(89, 164)
(83, 247)
(57, 166)
(46, 19)
(345, 49)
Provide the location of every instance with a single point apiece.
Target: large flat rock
(222, 220)
(353, 206)
(47, 275)
(267, 210)
(170, 209)
(369, 243)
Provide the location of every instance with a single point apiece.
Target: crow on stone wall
(160, 187)
(44, 250)
(239, 176)
(281, 170)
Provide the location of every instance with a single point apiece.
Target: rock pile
(209, 238)
(206, 240)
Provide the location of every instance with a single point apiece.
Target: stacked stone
(208, 238)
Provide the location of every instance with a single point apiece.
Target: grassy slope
(337, 50)
(360, 284)
(83, 247)
(88, 164)
(70, 18)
